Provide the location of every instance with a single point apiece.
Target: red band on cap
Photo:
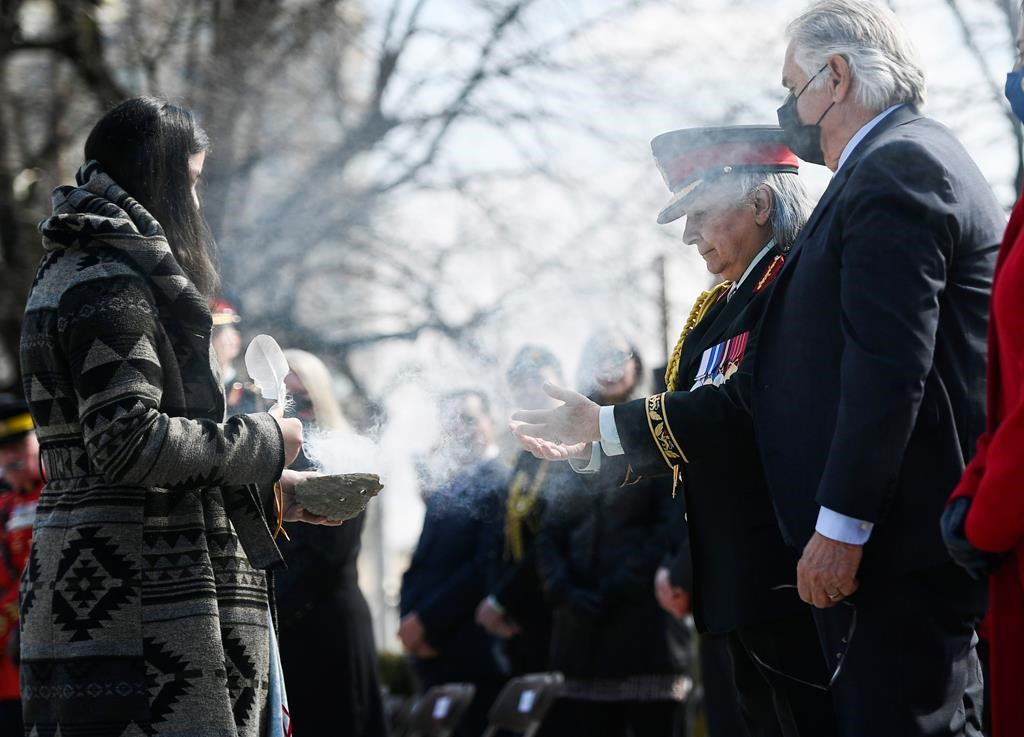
(729, 154)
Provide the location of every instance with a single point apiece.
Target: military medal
(737, 347)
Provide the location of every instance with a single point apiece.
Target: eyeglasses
(840, 656)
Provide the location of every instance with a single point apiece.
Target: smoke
(407, 452)
(344, 452)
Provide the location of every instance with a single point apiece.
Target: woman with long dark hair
(145, 606)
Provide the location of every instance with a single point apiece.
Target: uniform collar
(750, 267)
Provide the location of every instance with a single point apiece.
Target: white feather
(267, 367)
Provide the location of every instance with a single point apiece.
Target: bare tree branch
(995, 89)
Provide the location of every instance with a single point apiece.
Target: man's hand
(492, 620)
(425, 651)
(412, 633)
(560, 433)
(293, 511)
(548, 451)
(827, 571)
(672, 599)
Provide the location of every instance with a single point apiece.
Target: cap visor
(676, 206)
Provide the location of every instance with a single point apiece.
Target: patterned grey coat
(144, 607)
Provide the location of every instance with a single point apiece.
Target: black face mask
(803, 140)
(302, 406)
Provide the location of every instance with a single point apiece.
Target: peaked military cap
(692, 157)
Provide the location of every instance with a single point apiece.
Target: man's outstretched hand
(561, 433)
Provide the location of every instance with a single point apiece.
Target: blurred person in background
(515, 608)
(623, 657)
(326, 631)
(241, 396)
(154, 532)
(984, 520)
(447, 576)
(673, 588)
(21, 482)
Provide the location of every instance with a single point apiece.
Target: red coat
(995, 480)
(17, 512)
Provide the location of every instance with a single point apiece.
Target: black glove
(977, 563)
(583, 604)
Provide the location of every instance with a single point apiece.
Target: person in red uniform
(983, 524)
(20, 484)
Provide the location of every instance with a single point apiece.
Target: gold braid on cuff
(671, 452)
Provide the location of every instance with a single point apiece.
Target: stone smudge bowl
(338, 497)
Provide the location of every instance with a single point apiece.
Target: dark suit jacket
(608, 541)
(737, 553)
(446, 578)
(515, 583)
(868, 388)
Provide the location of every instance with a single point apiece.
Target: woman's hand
(291, 431)
(293, 511)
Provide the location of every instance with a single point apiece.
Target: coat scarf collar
(98, 217)
(99, 213)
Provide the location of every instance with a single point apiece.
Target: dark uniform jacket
(737, 552)
(869, 386)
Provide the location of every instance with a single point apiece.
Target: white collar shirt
(750, 267)
(862, 133)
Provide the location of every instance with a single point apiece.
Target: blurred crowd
(526, 567)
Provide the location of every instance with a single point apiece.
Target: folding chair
(522, 704)
(440, 710)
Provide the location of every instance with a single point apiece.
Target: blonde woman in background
(327, 646)
(312, 392)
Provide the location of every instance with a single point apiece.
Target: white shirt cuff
(496, 604)
(591, 466)
(845, 529)
(610, 443)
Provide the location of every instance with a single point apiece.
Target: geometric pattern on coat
(145, 602)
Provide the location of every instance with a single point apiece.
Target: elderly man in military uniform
(744, 205)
